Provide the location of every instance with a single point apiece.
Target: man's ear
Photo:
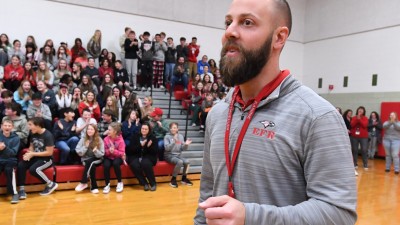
(281, 34)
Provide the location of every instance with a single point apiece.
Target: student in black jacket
(142, 157)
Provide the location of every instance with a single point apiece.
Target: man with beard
(275, 152)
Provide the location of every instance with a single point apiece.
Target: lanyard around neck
(266, 91)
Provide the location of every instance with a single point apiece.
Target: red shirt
(13, 73)
(359, 127)
(194, 51)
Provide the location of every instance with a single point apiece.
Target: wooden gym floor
(378, 203)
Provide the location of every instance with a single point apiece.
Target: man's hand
(2, 146)
(223, 210)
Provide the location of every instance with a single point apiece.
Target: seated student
(121, 78)
(65, 136)
(206, 106)
(83, 122)
(180, 74)
(91, 150)
(174, 145)
(91, 104)
(7, 97)
(114, 154)
(131, 126)
(9, 146)
(20, 125)
(102, 126)
(160, 128)
(64, 99)
(142, 157)
(39, 109)
(37, 158)
(24, 94)
(48, 97)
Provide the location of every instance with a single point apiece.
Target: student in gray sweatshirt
(174, 144)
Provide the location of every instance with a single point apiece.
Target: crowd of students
(82, 101)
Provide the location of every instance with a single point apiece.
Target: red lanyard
(266, 91)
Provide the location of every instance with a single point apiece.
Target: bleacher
(69, 176)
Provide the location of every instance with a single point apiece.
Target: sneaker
(153, 188)
(187, 182)
(134, 88)
(396, 172)
(355, 171)
(356, 167)
(15, 199)
(106, 189)
(387, 170)
(149, 89)
(173, 183)
(81, 187)
(146, 187)
(185, 90)
(22, 194)
(201, 130)
(120, 187)
(365, 168)
(95, 191)
(143, 89)
(48, 190)
(201, 126)
(193, 124)
(162, 87)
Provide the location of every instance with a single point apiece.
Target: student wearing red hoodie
(194, 50)
(114, 147)
(13, 74)
(359, 135)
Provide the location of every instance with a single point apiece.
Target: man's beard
(246, 66)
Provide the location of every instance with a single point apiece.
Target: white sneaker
(134, 88)
(149, 89)
(95, 191)
(81, 187)
(162, 87)
(193, 124)
(106, 189)
(202, 126)
(143, 89)
(120, 187)
(355, 171)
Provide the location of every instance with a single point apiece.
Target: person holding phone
(174, 144)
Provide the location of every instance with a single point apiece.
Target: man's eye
(227, 23)
(247, 22)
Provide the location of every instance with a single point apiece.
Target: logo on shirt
(266, 131)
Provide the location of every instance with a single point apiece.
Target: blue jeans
(392, 148)
(179, 80)
(364, 150)
(372, 147)
(67, 147)
(161, 148)
(169, 71)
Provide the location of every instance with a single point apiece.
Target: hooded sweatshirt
(119, 147)
(20, 127)
(11, 149)
(172, 147)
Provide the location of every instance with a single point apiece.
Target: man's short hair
(5, 120)
(127, 28)
(15, 107)
(37, 96)
(108, 112)
(158, 35)
(182, 39)
(146, 33)
(37, 121)
(86, 110)
(170, 38)
(283, 10)
(194, 38)
(68, 110)
(132, 32)
(6, 94)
